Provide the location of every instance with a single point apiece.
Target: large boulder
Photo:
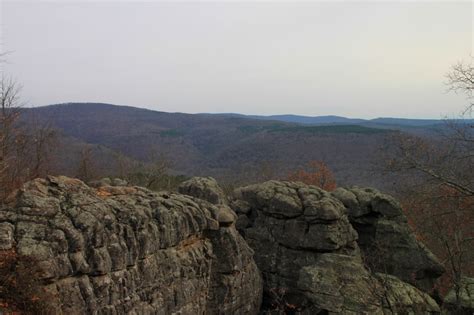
(205, 188)
(339, 284)
(127, 250)
(307, 251)
(386, 241)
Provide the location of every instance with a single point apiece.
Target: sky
(348, 58)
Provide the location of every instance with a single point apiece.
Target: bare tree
(461, 80)
(9, 114)
(86, 168)
(154, 173)
(123, 165)
(448, 158)
(439, 182)
(441, 161)
(12, 141)
(44, 137)
(444, 220)
(25, 142)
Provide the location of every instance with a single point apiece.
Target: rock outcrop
(386, 241)
(461, 303)
(205, 188)
(340, 284)
(306, 245)
(127, 250)
(116, 249)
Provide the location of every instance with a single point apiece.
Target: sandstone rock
(127, 250)
(6, 235)
(305, 245)
(100, 182)
(225, 216)
(386, 240)
(106, 181)
(117, 249)
(340, 284)
(286, 238)
(205, 188)
(463, 302)
(119, 182)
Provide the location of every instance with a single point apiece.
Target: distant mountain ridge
(307, 120)
(332, 119)
(228, 146)
(288, 118)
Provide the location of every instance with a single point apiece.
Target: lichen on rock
(386, 240)
(306, 242)
(121, 250)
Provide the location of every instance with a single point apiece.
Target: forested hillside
(227, 147)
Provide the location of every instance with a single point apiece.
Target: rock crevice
(307, 243)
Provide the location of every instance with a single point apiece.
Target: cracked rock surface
(386, 241)
(127, 250)
(307, 247)
(116, 249)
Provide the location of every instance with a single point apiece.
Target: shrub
(21, 290)
(317, 174)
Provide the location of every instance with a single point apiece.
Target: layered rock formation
(205, 188)
(127, 250)
(304, 243)
(114, 249)
(385, 239)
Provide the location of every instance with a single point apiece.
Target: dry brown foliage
(317, 173)
(21, 290)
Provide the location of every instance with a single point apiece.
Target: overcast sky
(357, 59)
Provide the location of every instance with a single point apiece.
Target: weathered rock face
(340, 284)
(119, 250)
(461, 303)
(205, 188)
(116, 249)
(305, 244)
(385, 239)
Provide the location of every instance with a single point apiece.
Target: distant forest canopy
(99, 140)
(227, 147)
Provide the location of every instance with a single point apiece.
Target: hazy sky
(358, 59)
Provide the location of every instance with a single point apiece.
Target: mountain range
(331, 119)
(230, 147)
